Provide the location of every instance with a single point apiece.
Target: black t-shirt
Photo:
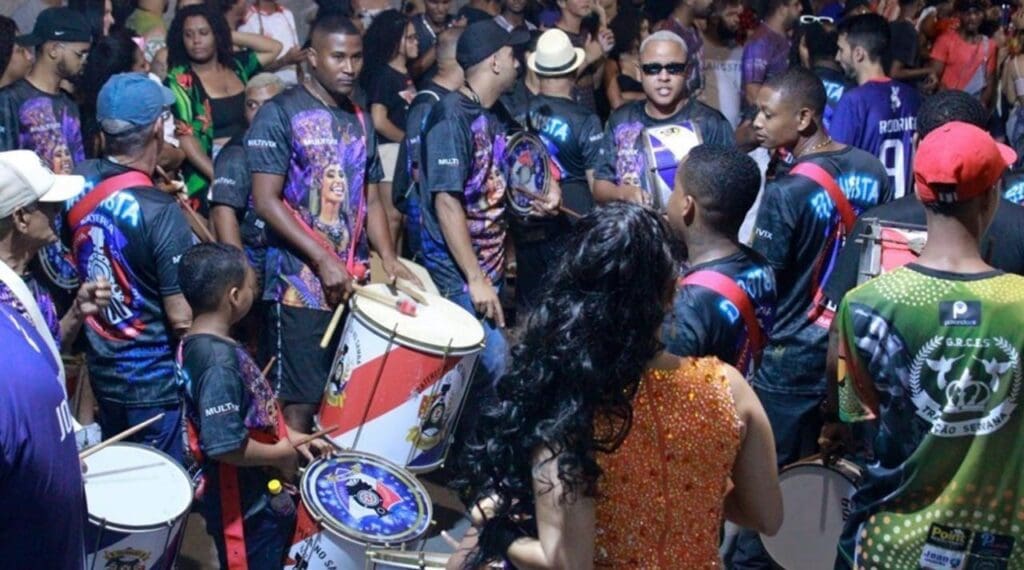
(463, 147)
(407, 172)
(134, 239)
(573, 136)
(904, 42)
(1002, 245)
(624, 160)
(227, 400)
(395, 91)
(326, 160)
(473, 15)
(797, 233)
(232, 187)
(705, 323)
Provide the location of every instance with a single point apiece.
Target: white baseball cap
(25, 179)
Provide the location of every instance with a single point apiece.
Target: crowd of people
(672, 284)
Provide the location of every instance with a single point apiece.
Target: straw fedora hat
(555, 55)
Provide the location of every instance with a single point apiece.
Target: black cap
(482, 39)
(57, 25)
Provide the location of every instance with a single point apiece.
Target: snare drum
(664, 147)
(887, 246)
(138, 500)
(397, 384)
(527, 170)
(353, 501)
(815, 505)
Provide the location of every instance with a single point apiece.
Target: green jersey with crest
(934, 358)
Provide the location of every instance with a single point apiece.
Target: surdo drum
(664, 147)
(887, 246)
(138, 501)
(398, 382)
(816, 503)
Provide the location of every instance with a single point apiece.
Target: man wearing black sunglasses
(623, 173)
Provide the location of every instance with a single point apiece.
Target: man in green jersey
(930, 351)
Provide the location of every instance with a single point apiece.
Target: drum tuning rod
(315, 435)
(126, 433)
(562, 209)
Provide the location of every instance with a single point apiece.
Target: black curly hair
(176, 53)
(385, 34)
(8, 30)
(572, 378)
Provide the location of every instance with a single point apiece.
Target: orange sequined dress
(662, 492)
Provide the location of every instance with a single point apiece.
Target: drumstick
(411, 291)
(270, 364)
(126, 433)
(359, 272)
(562, 209)
(404, 306)
(315, 435)
(195, 221)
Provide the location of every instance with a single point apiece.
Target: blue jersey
(880, 117)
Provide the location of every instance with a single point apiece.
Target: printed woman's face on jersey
(664, 88)
(200, 44)
(778, 122)
(333, 186)
(336, 60)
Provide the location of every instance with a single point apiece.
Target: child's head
(217, 278)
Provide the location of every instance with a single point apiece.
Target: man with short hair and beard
(804, 218)
(36, 115)
(682, 22)
(621, 173)
(314, 165)
(722, 82)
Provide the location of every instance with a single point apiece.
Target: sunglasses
(657, 68)
(809, 19)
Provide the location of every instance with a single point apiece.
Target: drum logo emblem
(433, 413)
(127, 559)
(974, 393)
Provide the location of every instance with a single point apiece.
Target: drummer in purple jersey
(664, 63)
(715, 186)
(236, 431)
(315, 170)
(879, 115)
(572, 135)
(799, 230)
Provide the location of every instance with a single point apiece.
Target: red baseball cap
(962, 157)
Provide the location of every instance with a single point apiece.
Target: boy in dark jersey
(715, 187)
(799, 230)
(572, 135)
(235, 425)
(818, 50)
(879, 115)
(930, 351)
(623, 173)
(313, 158)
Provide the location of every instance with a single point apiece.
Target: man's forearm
(452, 218)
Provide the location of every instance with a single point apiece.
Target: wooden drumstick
(562, 209)
(270, 364)
(195, 221)
(333, 326)
(315, 435)
(411, 291)
(126, 433)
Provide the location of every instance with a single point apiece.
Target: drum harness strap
(822, 178)
(728, 287)
(104, 190)
(232, 517)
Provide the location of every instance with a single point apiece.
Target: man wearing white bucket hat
(624, 172)
(572, 136)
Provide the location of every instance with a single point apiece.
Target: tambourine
(665, 146)
(527, 171)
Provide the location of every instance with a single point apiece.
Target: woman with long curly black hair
(600, 448)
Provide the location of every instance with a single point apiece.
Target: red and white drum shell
(887, 246)
(398, 382)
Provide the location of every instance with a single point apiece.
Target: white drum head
(433, 328)
(135, 487)
(816, 502)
